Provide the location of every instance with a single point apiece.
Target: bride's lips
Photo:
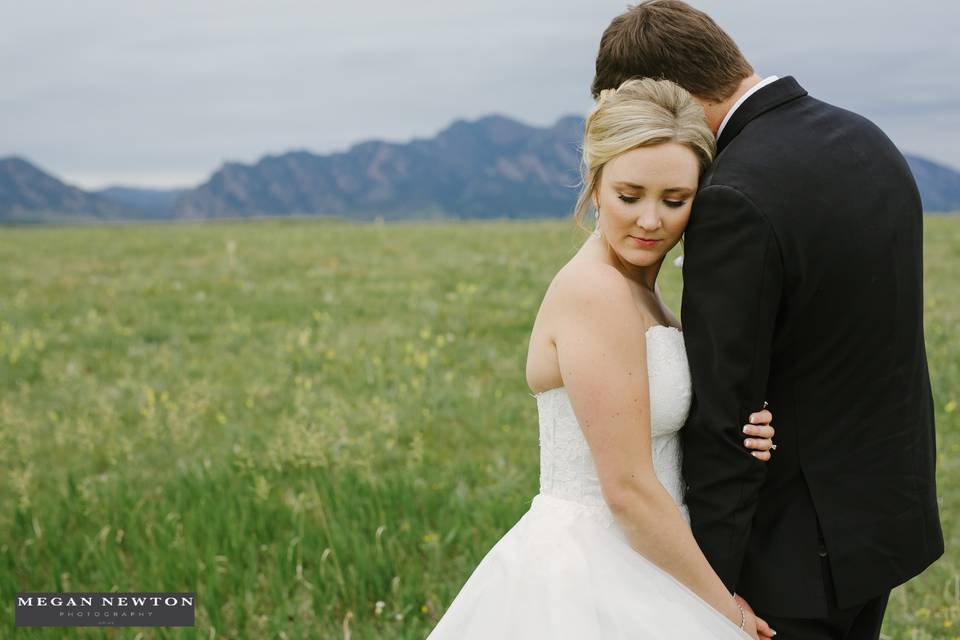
(645, 242)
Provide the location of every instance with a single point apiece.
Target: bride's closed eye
(673, 204)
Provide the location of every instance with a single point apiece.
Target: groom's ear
(713, 111)
(703, 102)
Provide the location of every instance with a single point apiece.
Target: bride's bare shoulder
(585, 282)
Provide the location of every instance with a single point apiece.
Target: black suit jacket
(803, 287)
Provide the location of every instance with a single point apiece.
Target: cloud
(107, 91)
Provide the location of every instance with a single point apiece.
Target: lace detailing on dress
(566, 464)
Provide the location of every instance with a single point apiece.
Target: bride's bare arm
(601, 348)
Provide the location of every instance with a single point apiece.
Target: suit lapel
(769, 97)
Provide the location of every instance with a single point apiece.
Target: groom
(802, 287)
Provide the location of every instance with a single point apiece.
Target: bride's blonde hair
(641, 112)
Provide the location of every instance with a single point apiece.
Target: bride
(605, 550)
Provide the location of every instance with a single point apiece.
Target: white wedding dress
(565, 569)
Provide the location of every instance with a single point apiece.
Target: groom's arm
(732, 280)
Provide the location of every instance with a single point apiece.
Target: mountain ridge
(491, 167)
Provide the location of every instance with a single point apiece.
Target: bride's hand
(759, 434)
(750, 625)
(763, 630)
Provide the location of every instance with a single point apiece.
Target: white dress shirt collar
(742, 99)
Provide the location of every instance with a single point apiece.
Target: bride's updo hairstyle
(641, 112)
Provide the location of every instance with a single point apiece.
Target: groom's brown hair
(669, 39)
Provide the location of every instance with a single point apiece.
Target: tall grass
(318, 427)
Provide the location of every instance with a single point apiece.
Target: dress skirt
(566, 570)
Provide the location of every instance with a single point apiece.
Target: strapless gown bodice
(567, 470)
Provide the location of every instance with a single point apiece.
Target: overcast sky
(161, 93)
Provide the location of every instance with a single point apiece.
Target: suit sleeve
(732, 275)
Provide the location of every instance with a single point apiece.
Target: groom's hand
(764, 632)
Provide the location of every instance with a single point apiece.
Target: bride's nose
(649, 219)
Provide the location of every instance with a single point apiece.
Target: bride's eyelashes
(673, 204)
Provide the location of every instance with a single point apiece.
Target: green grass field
(318, 427)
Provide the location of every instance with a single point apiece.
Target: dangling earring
(596, 230)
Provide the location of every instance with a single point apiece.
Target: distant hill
(29, 194)
(490, 167)
(939, 185)
(155, 203)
